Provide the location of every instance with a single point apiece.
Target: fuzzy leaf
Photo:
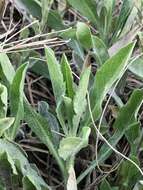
(55, 75)
(107, 75)
(20, 163)
(70, 146)
(84, 35)
(100, 50)
(68, 78)
(79, 102)
(16, 98)
(6, 67)
(43, 109)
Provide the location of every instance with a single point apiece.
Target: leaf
(5, 123)
(125, 40)
(61, 114)
(16, 98)
(79, 101)
(55, 75)
(126, 117)
(124, 13)
(29, 7)
(40, 127)
(46, 5)
(100, 50)
(6, 67)
(71, 34)
(105, 10)
(67, 75)
(130, 22)
(107, 75)
(86, 8)
(81, 91)
(3, 101)
(130, 174)
(18, 161)
(43, 109)
(70, 146)
(55, 20)
(105, 185)
(68, 104)
(83, 34)
(137, 67)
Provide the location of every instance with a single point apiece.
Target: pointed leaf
(16, 98)
(100, 50)
(6, 67)
(107, 75)
(43, 109)
(55, 74)
(67, 75)
(79, 102)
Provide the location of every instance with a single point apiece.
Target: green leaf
(127, 116)
(61, 114)
(3, 101)
(5, 123)
(29, 7)
(84, 35)
(40, 127)
(124, 13)
(79, 102)
(6, 67)
(43, 109)
(86, 8)
(16, 98)
(130, 174)
(55, 20)
(105, 185)
(19, 162)
(55, 75)
(107, 75)
(67, 75)
(129, 22)
(105, 10)
(46, 5)
(133, 133)
(70, 146)
(137, 67)
(68, 104)
(100, 50)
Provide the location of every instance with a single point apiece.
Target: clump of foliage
(78, 118)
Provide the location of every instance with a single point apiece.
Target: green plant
(14, 163)
(80, 107)
(72, 116)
